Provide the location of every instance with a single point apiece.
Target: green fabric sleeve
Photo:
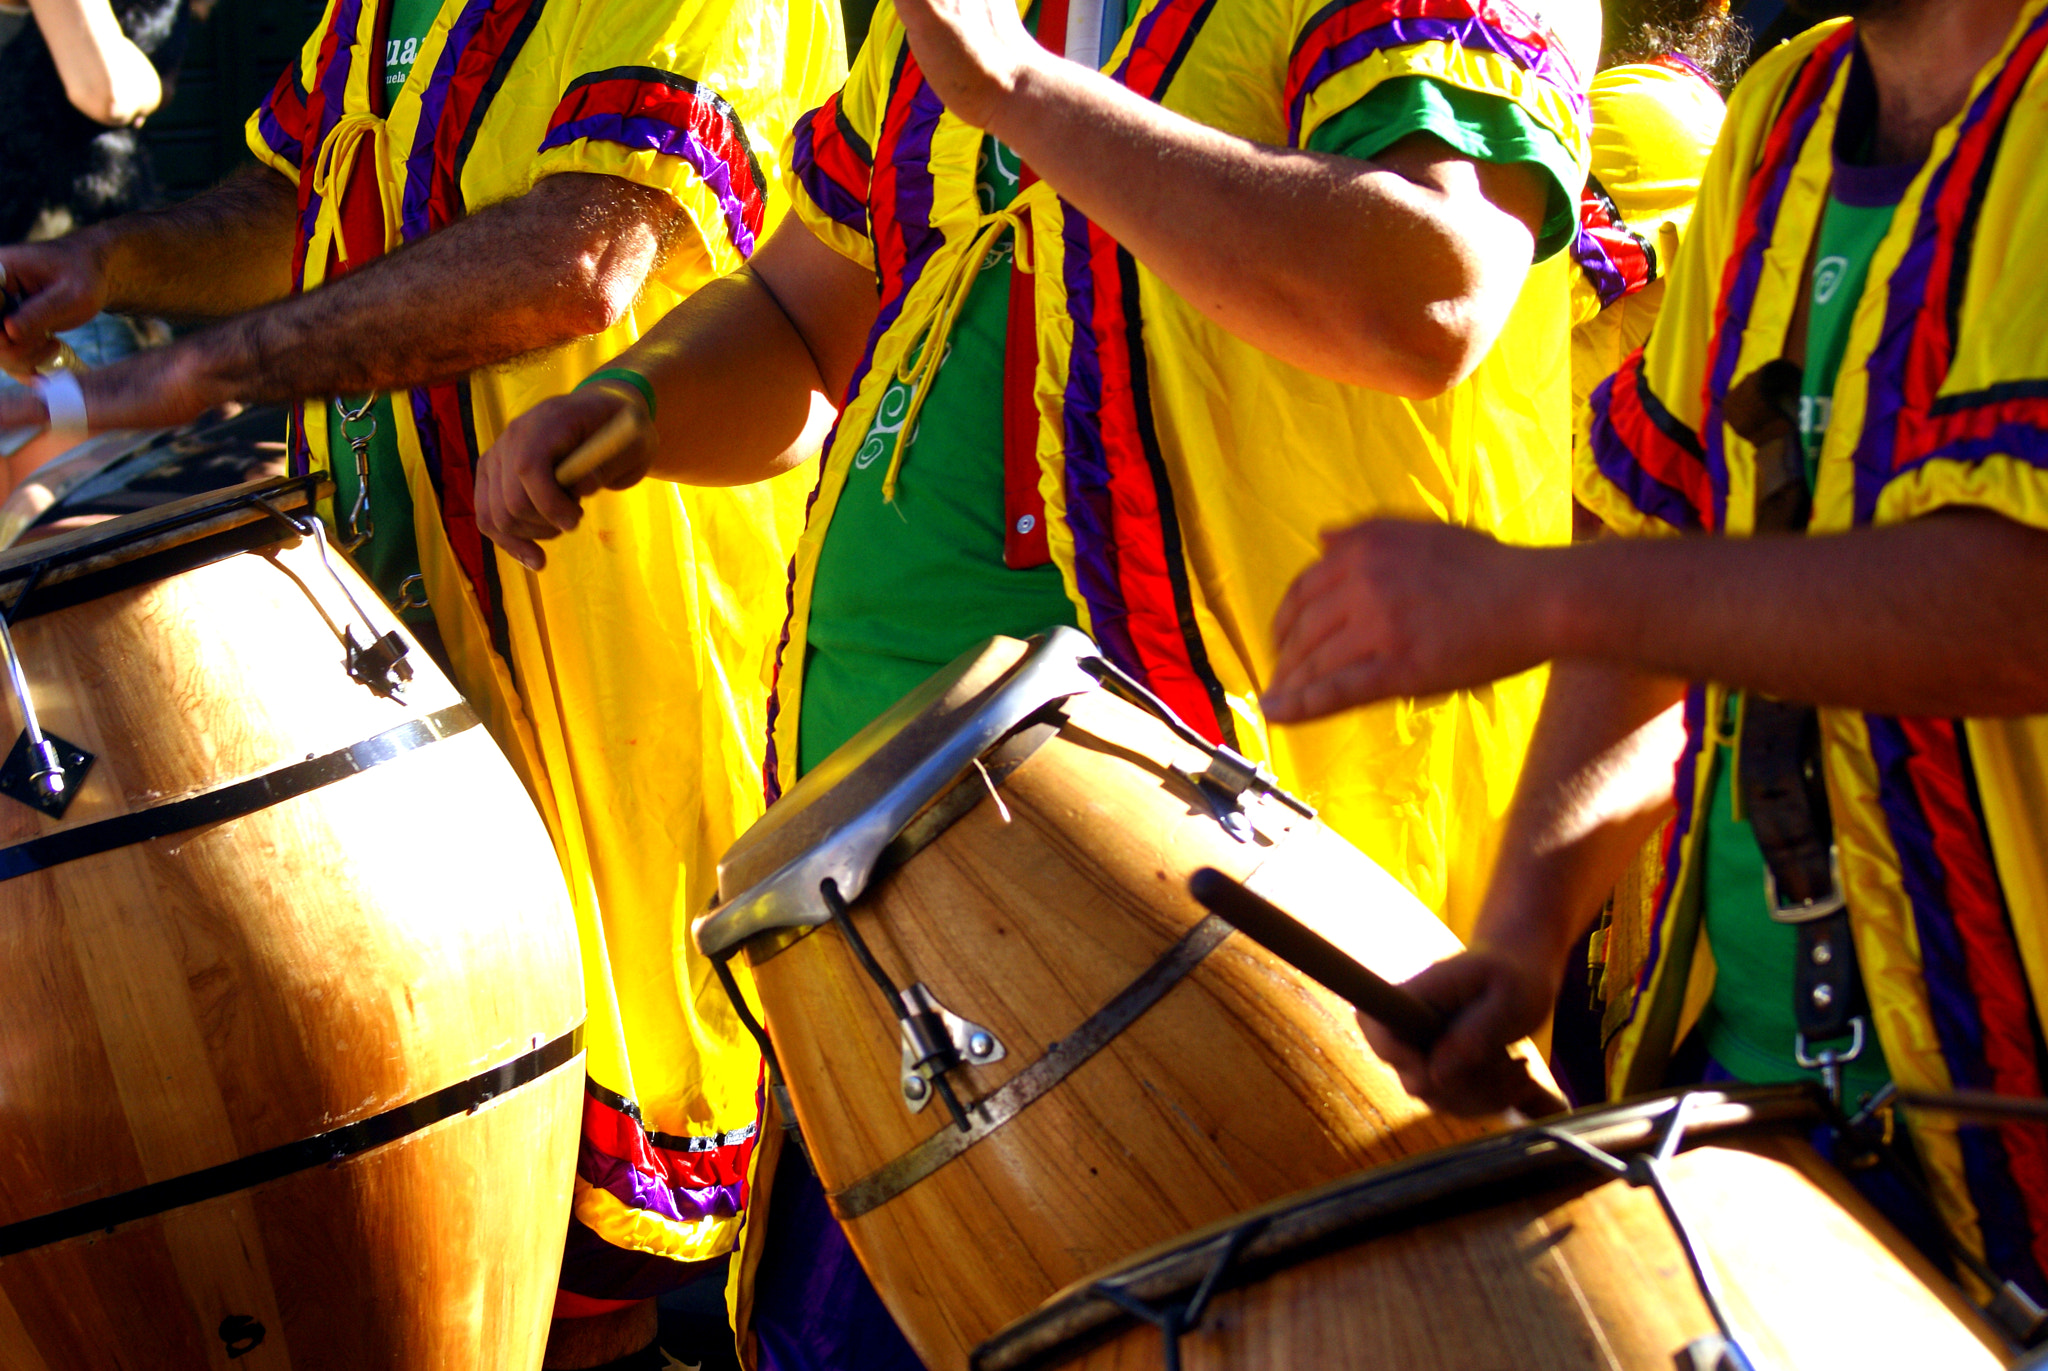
(1486, 128)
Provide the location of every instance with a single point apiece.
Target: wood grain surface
(187, 1001)
(1591, 1278)
(1245, 1082)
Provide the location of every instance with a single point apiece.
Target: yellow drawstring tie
(332, 170)
(920, 363)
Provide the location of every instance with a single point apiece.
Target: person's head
(1638, 30)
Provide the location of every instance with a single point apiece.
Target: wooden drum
(1015, 843)
(1528, 1250)
(290, 1061)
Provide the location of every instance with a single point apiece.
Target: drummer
(1897, 157)
(1306, 293)
(460, 210)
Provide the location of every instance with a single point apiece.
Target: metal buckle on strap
(1828, 1061)
(1806, 911)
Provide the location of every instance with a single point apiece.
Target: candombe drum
(290, 1063)
(1021, 1050)
(1697, 1230)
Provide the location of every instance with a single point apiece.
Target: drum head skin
(835, 822)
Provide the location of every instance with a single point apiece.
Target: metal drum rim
(847, 854)
(1340, 1214)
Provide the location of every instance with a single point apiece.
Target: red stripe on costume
(1933, 349)
(1997, 974)
(1149, 63)
(1785, 141)
(836, 157)
(1660, 456)
(1144, 579)
(467, 87)
(891, 255)
(618, 1134)
(679, 108)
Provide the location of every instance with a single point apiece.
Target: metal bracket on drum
(925, 1052)
(378, 664)
(43, 771)
(1229, 776)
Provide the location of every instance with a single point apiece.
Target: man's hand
(974, 52)
(519, 505)
(1491, 998)
(1402, 609)
(49, 287)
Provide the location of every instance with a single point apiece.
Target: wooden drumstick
(608, 442)
(1414, 1021)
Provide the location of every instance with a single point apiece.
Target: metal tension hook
(362, 526)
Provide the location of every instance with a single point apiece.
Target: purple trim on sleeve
(640, 133)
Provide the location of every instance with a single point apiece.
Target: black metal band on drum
(276, 1163)
(1015, 1095)
(235, 800)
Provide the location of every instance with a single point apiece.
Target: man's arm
(224, 251)
(1596, 783)
(1395, 273)
(1945, 615)
(565, 260)
(764, 350)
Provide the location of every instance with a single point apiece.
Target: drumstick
(608, 442)
(1414, 1021)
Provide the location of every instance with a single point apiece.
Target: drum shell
(1243, 1083)
(1590, 1277)
(196, 999)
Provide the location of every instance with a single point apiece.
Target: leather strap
(1024, 540)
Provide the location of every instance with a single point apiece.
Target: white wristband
(65, 399)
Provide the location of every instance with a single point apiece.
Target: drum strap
(1778, 769)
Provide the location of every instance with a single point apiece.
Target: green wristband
(631, 378)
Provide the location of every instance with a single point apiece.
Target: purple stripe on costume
(827, 194)
(1740, 299)
(1607, 279)
(641, 133)
(1684, 780)
(334, 80)
(1905, 297)
(1952, 1004)
(274, 136)
(1089, 514)
(415, 219)
(1617, 462)
(912, 158)
(1547, 64)
(637, 1190)
(2027, 442)
(429, 431)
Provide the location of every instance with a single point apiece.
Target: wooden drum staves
(290, 1068)
(1528, 1251)
(1015, 843)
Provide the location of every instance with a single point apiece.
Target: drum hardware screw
(980, 1045)
(914, 1088)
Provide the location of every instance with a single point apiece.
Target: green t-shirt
(392, 555)
(902, 588)
(1750, 1026)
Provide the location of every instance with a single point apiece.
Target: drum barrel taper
(1414, 1021)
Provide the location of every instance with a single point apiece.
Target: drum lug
(935, 1040)
(45, 778)
(381, 666)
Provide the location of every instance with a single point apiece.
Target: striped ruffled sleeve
(1347, 47)
(669, 132)
(276, 132)
(830, 166)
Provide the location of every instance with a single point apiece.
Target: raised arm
(565, 260)
(1395, 273)
(745, 374)
(106, 77)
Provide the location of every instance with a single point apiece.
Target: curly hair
(1702, 30)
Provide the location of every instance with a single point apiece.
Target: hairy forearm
(1378, 274)
(564, 261)
(225, 250)
(1596, 783)
(1946, 615)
